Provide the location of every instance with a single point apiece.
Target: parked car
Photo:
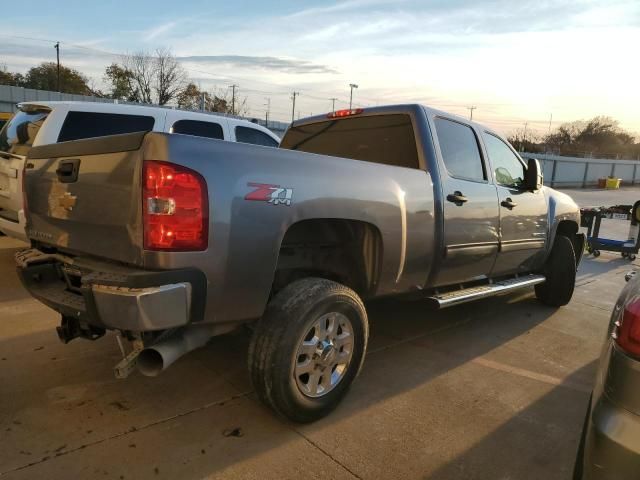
(610, 443)
(171, 240)
(43, 123)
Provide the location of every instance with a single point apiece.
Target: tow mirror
(533, 176)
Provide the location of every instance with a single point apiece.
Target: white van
(42, 123)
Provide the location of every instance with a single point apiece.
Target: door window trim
(479, 145)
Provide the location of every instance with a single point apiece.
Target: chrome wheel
(324, 354)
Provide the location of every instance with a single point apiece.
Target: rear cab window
(386, 139)
(254, 137)
(81, 125)
(460, 150)
(18, 135)
(198, 129)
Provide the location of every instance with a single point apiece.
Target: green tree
(10, 78)
(191, 97)
(44, 77)
(121, 83)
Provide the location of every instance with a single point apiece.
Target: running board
(457, 297)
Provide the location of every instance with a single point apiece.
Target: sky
(516, 61)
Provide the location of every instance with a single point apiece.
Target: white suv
(42, 123)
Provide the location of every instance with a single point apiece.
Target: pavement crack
(334, 459)
(131, 430)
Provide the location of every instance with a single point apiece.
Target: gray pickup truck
(170, 240)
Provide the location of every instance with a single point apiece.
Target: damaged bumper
(103, 296)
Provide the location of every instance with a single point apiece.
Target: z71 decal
(274, 194)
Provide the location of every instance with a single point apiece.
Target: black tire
(596, 253)
(578, 467)
(560, 271)
(273, 351)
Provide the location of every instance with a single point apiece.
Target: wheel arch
(344, 250)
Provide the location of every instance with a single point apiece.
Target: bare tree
(170, 77)
(153, 78)
(142, 68)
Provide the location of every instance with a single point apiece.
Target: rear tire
(313, 325)
(560, 272)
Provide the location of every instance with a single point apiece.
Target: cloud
(267, 63)
(155, 32)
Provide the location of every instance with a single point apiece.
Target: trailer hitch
(71, 328)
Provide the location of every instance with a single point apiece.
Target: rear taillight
(175, 207)
(627, 333)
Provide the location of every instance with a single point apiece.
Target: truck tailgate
(84, 196)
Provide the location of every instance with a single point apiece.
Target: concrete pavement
(493, 389)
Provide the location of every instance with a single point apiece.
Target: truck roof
(391, 109)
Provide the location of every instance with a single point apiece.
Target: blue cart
(591, 218)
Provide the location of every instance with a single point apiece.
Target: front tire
(560, 272)
(308, 348)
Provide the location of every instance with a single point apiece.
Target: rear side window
(198, 129)
(79, 125)
(386, 139)
(459, 148)
(255, 137)
(20, 132)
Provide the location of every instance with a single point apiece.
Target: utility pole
(525, 136)
(266, 114)
(293, 110)
(471, 109)
(57, 47)
(352, 85)
(550, 119)
(233, 99)
(333, 104)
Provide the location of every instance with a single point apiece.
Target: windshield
(18, 135)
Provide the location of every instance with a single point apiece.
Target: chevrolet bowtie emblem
(67, 201)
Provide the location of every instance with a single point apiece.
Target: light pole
(352, 85)
(57, 47)
(333, 104)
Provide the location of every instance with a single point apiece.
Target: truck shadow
(204, 402)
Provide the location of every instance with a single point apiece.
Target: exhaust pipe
(155, 359)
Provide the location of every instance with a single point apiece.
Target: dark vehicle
(171, 239)
(610, 444)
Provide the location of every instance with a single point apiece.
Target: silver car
(610, 443)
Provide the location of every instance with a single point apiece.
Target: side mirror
(533, 176)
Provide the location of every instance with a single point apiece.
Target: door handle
(508, 203)
(457, 197)
(67, 170)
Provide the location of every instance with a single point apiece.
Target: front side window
(81, 125)
(459, 148)
(255, 137)
(508, 169)
(198, 129)
(20, 132)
